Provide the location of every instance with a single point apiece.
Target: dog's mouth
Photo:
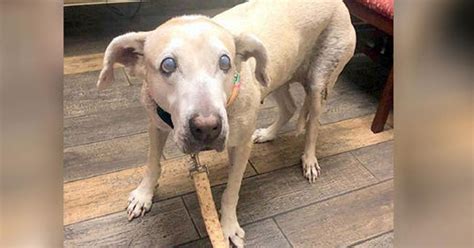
(189, 145)
(190, 150)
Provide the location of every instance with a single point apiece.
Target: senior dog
(191, 66)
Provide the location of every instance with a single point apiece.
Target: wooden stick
(208, 209)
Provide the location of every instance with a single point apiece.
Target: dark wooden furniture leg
(386, 25)
(385, 105)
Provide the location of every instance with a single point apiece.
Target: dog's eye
(224, 62)
(168, 65)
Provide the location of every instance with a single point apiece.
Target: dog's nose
(205, 128)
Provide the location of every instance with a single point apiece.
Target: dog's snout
(205, 128)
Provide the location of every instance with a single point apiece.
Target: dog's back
(288, 29)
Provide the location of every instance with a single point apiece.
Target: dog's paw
(233, 231)
(262, 135)
(139, 203)
(311, 169)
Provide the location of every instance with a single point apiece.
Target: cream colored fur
(272, 44)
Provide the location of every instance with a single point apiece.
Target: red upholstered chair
(378, 13)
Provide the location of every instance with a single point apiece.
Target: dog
(190, 65)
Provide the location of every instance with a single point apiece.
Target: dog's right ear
(127, 50)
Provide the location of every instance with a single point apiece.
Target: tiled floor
(105, 146)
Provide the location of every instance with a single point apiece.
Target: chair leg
(385, 105)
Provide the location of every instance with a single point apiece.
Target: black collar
(165, 116)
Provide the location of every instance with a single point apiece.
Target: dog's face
(188, 65)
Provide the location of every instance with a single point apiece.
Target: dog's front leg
(140, 199)
(238, 157)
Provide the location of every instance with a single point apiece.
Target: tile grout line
(253, 167)
(190, 217)
(371, 145)
(69, 117)
(117, 137)
(363, 166)
(103, 174)
(283, 233)
(369, 238)
(189, 242)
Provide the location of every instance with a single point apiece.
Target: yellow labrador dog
(192, 65)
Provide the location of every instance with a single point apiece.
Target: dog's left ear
(247, 46)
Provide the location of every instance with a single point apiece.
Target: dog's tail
(303, 117)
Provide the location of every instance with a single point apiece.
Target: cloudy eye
(168, 65)
(224, 62)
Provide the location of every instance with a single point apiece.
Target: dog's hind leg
(140, 199)
(286, 109)
(334, 50)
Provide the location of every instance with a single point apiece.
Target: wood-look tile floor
(105, 147)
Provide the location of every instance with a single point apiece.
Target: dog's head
(188, 65)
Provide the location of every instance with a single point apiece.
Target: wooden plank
(104, 126)
(378, 159)
(340, 221)
(273, 193)
(76, 45)
(380, 241)
(104, 157)
(106, 194)
(263, 233)
(81, 97)
(347, 101)
(167, 224)
(333, 139)
(84, 63)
